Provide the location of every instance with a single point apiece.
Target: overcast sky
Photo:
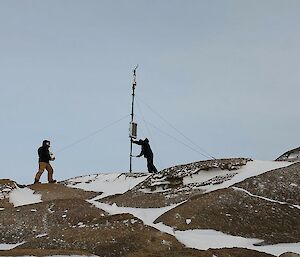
(223, 73)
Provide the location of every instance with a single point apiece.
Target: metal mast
(132, 124)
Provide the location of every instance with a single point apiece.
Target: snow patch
(204, 239)
(198, 239)
(109, 184)
(213, 178)
(41, 235)
(188, 221)
(205, 175)
(147, 215)
(24, 196)
(251, 169)
(9, 246)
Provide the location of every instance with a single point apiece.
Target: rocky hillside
(224, 208)
(253, 208)
(291, 155)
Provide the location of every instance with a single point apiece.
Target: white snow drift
(24, 196)
(109, 184)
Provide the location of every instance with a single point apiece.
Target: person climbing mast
(147, 153)
(45, 156)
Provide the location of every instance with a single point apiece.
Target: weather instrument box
(133, 130)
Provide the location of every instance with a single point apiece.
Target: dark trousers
(150, 165)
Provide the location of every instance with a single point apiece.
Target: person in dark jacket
(45, 156)
(147, 153)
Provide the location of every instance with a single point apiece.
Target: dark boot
(52, 181)
(37, 182)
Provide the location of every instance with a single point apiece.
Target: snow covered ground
(24, 196)
(147, 215)
(201, 239)
(116, 183)
(251, 169)
(109, 184)
(9, 246)
(119, 183)
(205, 239)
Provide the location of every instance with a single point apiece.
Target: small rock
(188, 221)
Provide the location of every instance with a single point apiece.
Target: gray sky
(224, 73)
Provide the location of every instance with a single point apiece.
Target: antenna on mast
(133, 125)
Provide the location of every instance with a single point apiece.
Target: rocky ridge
(263, 206)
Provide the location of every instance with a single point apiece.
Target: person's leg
(150, 165)
(42, 166)
(154, 168)
(50, 172)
